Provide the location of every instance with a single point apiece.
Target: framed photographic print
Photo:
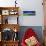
(7, 34)
(29, 13)
(13, 12)
(12, 19)
(5, 12)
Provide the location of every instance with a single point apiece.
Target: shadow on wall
(37, 29)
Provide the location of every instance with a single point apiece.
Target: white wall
(35, 5)
(28, 5)
(6, 3)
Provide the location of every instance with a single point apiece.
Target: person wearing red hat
(30, 38)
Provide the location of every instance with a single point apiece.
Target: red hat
(29, 33)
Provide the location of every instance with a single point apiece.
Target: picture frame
(7, 34)
(13, 12)
(29, 13)
(10, 19)
(13, 19)
(5, 12)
